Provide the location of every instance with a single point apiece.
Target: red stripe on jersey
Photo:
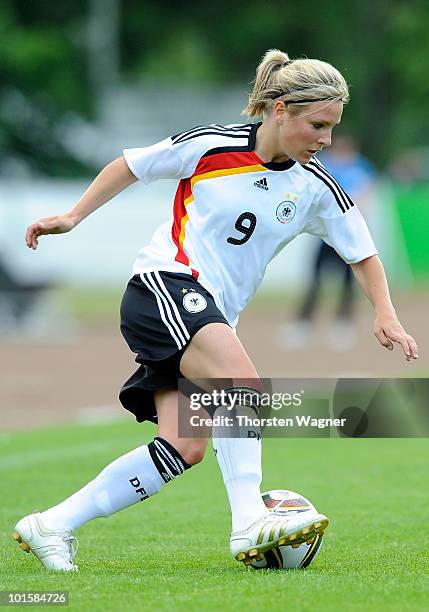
(179, 211)
(222, 161)
(218, 161)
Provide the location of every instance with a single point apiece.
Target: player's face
(302, 135)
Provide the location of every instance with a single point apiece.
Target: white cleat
(54, 549)
(273, 530)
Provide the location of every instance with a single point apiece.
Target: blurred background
(81, 81)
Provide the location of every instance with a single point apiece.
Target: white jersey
(233, 213)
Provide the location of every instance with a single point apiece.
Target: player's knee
(194, 452)
(184, 451)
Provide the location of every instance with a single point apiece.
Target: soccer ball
(288, 503)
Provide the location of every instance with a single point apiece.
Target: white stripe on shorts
(170, 308)
(180, 342)
(173, 304)
(175, 317)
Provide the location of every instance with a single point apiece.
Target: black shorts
(160, 313)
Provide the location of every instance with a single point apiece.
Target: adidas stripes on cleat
(271, 531)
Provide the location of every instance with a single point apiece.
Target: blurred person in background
(19, 300)
(357, 176)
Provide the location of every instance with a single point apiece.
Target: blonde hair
(297, 82)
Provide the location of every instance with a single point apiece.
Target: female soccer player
(244, 192)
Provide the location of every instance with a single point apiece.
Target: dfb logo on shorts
(286, 211)
(194, 302)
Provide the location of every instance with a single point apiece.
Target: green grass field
(171, 552)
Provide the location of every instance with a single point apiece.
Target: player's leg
(345, 307)
(156, 338)
(215, 352)
(309, 304)
(131, 478)
(342, 333)
(191, 450)
(171, 454)
(298, 334)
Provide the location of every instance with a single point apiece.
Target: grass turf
(171, 551)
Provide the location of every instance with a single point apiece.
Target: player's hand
(48, 225)
(388, 330)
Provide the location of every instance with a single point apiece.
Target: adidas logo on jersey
(262, 184)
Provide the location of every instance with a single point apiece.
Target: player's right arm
(113, 179)
(175, 157)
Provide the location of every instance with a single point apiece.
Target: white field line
(104, 413)
(34, 456)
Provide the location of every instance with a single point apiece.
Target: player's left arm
(370, 274)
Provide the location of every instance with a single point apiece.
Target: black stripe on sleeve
(213, 133)
(341, 203)
(176, 136)
(316, 163)
(239, 149)
(211, 129)
(277, 166)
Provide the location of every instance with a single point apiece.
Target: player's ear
(279, 111)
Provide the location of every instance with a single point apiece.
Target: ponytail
(299, 82)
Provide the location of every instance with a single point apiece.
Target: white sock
(240, 462)
(124, 482)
